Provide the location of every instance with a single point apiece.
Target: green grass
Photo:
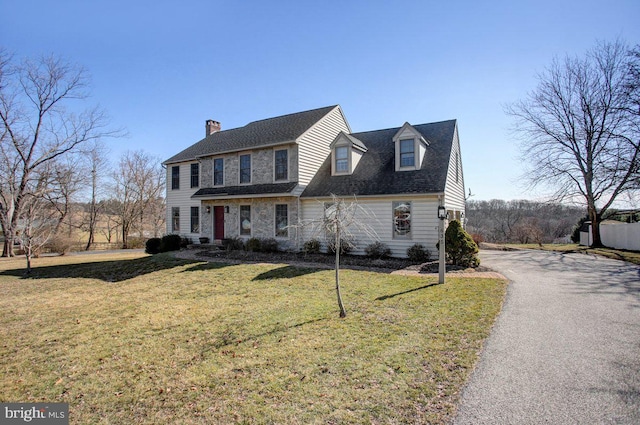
(130, 338)
(617, 254)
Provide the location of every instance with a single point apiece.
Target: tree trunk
(595, 227)
(343, 312)
(7, 250)
(28, 254)
(124, 238)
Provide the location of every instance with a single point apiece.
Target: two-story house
(247, 181)
(263, 179)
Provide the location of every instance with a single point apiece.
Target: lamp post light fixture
(442, 214)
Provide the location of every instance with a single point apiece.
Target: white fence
(615, 234)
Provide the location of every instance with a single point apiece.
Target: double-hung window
(245, 220)
(195, 175)
(342, 159)
(407, 153)
(175, 177)
(175, 219)
(195, 219)
(281, 165)
(245, 168)
(218, 172)
(282, 220)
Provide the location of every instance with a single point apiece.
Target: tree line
(521, 221)
(53, 158)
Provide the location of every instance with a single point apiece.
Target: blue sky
(161, 68)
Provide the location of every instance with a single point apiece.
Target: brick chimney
(211, 127)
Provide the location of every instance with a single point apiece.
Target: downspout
(298, 227)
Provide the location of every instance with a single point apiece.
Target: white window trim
(408, 236)
(175, 167)
(416, 162)
(199, 168)
(288, 164)
(191, 216)
(173, 227)
(334, 170)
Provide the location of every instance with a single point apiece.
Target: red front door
(218, 223)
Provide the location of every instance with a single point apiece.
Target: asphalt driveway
(566, 347)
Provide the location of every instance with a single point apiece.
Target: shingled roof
(268, 132)
(248, 190)
(375, 174)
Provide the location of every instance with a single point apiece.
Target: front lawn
(130, 338)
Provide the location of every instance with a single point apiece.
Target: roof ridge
(399, 127)
(288, 115)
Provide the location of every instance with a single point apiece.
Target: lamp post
(442, 214)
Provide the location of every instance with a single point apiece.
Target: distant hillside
(521, 221)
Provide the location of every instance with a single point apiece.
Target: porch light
(208, 209)
(442, 212)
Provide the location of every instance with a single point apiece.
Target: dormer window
(411, 148)
(407, 153)
(346, 152)
(342, 159)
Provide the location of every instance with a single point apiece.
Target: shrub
(234, 244)
(346, 246)
(378, 250)
(311, 246)
(170, 243)
(185, 241)
(253, 245)
(460, 248)
(135, 243)
(58, 244)
(152, 246)
(269, 245)
(417, 253)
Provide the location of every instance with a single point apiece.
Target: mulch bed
(354, 261)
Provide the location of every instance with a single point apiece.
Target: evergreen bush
(460, 248)
(152, 246)
(234, 244)
(170, 243)
(417, 253)
(378, 250)
(269, 245)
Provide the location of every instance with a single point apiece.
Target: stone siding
(262, 219)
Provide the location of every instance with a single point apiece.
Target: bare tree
(110, 209)
(580, 129)
(38, 219)
(36, 128)
(139, 183)
(338, 226)
(66, 181)
(99, 166)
